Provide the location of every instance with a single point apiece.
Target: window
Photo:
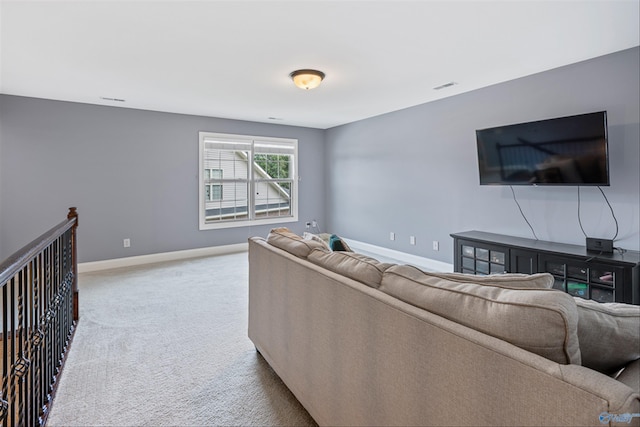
(212, 191)
(246, 180)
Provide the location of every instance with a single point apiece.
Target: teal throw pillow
(337, 244)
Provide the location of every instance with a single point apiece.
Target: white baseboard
(86, 267)
(418, 261)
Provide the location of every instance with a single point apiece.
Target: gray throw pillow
(317, 238)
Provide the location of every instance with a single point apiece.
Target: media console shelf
(602, 277)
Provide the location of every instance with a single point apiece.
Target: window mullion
(252, 187)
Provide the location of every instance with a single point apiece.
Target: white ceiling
(231, 59)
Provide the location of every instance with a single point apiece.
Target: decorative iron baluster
(4, 404)
(4, 409)
(13, 355)
(22, 364)
(39, 301)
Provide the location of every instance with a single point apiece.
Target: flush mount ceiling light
(307, 79)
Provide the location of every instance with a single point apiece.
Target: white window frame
(252, 220)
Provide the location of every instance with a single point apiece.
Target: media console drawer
(601, 277)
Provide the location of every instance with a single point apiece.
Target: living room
(411, 170)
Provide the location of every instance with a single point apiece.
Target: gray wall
(414, 171)
(131, 173)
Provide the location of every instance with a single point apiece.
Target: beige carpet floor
(166, 345)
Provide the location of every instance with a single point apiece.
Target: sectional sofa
(360, 342)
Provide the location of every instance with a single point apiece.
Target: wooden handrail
(17, 261)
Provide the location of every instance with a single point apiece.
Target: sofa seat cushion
(630, 376)
(508, 280)
(289, 241)
(356, 266)
(609, 334)
(542, 321)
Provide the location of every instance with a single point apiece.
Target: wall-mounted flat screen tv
(569, 150)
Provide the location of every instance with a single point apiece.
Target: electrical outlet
(314, 223)
(436, 245)
(392, 236)
(308, 224)
(126, 243)
(412, 240)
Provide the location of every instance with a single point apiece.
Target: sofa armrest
(627, 399)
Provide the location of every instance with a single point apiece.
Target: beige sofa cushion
(509, 280)
(543, 321)
(289, 241)
(631, 375)
(353, 265)
(609, 334)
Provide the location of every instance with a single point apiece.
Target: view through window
(245, 179)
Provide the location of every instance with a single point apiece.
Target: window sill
(247, 223)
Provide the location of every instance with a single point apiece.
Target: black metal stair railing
(39, 300)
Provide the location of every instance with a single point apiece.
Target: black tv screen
(561, 151)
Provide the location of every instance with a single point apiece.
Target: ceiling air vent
(445, 85)
(106, 98)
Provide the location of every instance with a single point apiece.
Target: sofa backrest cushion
(356, 266)
(508, 280)
(542, 321)
(289, 241)
(609, 334)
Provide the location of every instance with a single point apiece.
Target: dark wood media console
(613, 277)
